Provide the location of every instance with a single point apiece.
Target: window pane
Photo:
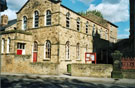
(48, 18)
(48, 49)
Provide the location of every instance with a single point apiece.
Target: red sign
(90, 57)
(19, 52)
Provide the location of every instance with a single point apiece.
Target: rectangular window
(86, 28)
(21, 48)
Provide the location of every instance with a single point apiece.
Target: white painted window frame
(2, 45)
(47, 18)
(23, 28)
(45, 50)
(68, 20)
(8, 45)
(67, 48)
(78, 51)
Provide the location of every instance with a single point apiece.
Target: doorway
(35, 51)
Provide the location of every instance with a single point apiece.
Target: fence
(128, 63)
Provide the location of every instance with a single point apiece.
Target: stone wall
(22, 64)
(128, 74)
(91, 70)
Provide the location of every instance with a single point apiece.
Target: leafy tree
(94, 12)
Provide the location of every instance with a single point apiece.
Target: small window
(93, 31)
(3, 45)
(36, 19)
(67, 50)
(35, 46)
(48, 18)
(24, 23)
(87, 27)
(78, 51)
(20, 45)
(8, 45)
(100, 32)
(78, 24)
(68, 20)
(106, 35)
(48, 49)
(20, 48)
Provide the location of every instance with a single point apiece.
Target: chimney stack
(4, 20)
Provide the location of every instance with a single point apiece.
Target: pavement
(62, 81)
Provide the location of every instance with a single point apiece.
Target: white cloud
(10, 13)
(15, 4)
(123, 33)
(113, 11)
(121, 36)
(13, 7)
(126, 30)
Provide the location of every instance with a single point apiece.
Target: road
(12, 81)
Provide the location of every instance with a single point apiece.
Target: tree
(94, 12)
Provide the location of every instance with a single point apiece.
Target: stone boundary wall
(92, 70)
(24, 66)
(128, 74)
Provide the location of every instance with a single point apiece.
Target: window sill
(68, 60)
(46, 59)
(78, 59)
(48, 25)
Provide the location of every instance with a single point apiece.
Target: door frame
(34, 50)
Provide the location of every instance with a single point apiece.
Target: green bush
(116, 55)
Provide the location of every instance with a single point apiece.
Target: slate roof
(10, 23)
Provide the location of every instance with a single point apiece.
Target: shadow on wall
(103, 49)
(123, 45)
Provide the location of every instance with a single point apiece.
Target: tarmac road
(37, 81)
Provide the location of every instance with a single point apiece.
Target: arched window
(48, 49)
(36, 19)
(78, 24)
(3, 45)
(67, 50)
(8, 45)
(94, 30)
(106, 35)
(78, 51)
(87, 27)
(68, 20)
(24, 25)
(100, 32)
(35, 46)
(48, 18)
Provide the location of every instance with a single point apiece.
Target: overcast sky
(116, 11)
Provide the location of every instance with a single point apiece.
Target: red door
(35, 51)
(34, 56)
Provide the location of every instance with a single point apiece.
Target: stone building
(49, 32)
